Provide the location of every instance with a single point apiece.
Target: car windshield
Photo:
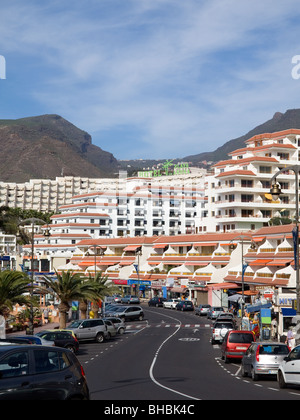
(223, 325)
(273, 349)
(121, 309)
(75, 324)
(239, 337)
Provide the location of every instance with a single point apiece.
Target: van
(235, 344)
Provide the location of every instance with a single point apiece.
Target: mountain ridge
(48, 145)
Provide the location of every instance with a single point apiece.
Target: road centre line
(154, 361)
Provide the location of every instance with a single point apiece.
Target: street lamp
(244, 265)
(138, 253)
(46, 233)
(276, 191)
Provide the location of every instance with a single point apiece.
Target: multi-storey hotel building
(238, 191)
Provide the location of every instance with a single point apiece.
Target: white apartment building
(238, 192)
(126, 207)
(48, 195)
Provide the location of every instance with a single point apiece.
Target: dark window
(15, 364)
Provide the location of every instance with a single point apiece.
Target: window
(265, 169)
(50, 361)
(246, 183)
(15, 364)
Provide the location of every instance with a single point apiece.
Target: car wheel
(99, 338)
(281, 381)
(226, 360)
(70, 347)
(141, 318)
(108, 336)
(121, 330)
(243, 373)
(254, 375)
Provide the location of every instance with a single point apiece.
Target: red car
(236, 344)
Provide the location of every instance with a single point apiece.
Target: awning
(217, 286)
(259, 262)
(282, 263)
(288, 312)
(259, 239)
(234, 298)
(158, 246)
(257, 308)
(132, 247)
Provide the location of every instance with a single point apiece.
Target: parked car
(111, 329)
(15, 340)
(263, 358)
(219, 331)
(185, 305)
(118, 323)
(170, 303)
(235, 344)
(226, 317)
(33, 339)
(130, 299)
(156, 301)
(214, 312)
(202, 310)
(89, 329)
(33, 372)
(61, 339)
(40, 333)
(127, 313)
(289, 369)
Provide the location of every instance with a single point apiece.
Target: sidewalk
(50, 326)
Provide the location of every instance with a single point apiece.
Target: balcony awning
(158, 246)
(132, 247)
(281, 263)
(259, 262)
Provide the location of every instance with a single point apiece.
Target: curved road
(169, 356)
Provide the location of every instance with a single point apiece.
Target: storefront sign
(141, 282)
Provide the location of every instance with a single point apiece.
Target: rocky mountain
(280, 121)
(48, 146)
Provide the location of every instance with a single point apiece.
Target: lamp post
(276, 191)
(138, 253)
(244, 266)
(33, 221)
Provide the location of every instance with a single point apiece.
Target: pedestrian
(46, 315)
(290, 340)
(274, 328)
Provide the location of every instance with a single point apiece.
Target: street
(168, 356)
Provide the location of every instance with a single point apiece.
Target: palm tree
(101, 288)
(14, 289)
(68, 287)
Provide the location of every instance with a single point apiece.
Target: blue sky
(151, 78)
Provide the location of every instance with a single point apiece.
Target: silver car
(263, 358)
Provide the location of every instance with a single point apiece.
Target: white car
(219, 331)
(171, 303)
(289, 369)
